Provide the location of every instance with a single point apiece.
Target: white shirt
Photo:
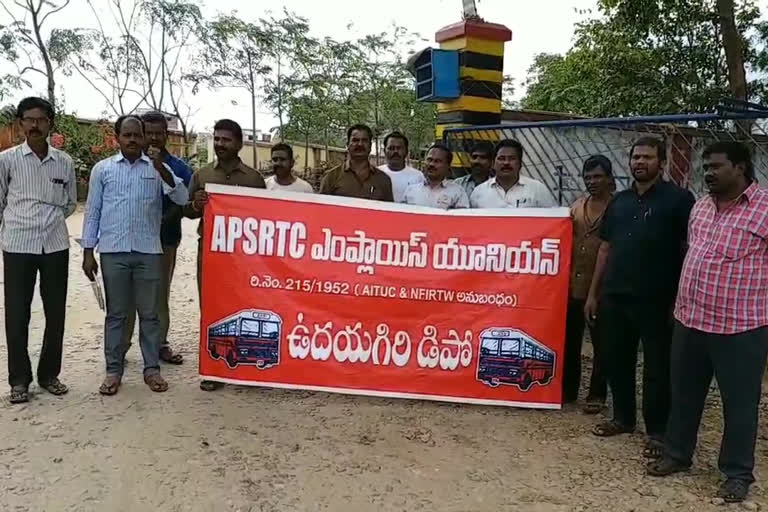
(402, 179)
(448, 195)
(298, 185)
(526, 193)
(35, 198)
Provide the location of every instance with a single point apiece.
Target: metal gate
(556, 150)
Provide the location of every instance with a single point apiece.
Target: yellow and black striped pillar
(481, 73)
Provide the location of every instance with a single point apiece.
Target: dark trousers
(737, 361)
(20, 275)
(623, 323)
(574, 335)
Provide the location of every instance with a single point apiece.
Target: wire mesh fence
(556, 150)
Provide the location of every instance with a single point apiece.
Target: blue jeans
(132, 284)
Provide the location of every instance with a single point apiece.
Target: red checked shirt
(724, 284)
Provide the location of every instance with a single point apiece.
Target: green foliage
(86, 143)
(646, 57)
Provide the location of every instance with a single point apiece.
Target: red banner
(344, 295)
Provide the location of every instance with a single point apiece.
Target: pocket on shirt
(148, 186)
(56, 190)
(736, 243)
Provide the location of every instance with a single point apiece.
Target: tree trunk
(254, 152)
(734, 55)
(46, 59)
(280, 97)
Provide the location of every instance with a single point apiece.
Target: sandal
(54, 387)
(733, 490)
(167, 355)
(111, 385)
(610, 429)
(156, 383)
(19, 394)
(654, 449)
(665, 466)
(210, 385)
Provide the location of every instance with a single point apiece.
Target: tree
(23, 43)
(734, 53)
(643, 57)
(234, 55)
(143, 64)
(284, 34)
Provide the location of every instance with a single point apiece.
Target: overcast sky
(537, 26)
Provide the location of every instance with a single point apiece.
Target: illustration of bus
(509, 356)
(248, 337)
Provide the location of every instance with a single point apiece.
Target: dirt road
(249, 449)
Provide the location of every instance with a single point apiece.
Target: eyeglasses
(35, 120)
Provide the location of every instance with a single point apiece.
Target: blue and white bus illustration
(248, 337)
(509, 356)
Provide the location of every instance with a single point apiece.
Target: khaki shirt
(241, 176)
(586, 243)
(342, 181)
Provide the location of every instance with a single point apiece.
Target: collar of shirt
(520, 182)
(119, 158)
(229, 168)
(747, 196)
(373, 169)
(426, 183)
(26, 151)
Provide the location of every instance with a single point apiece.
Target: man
(721, 315)
(508, 189)
(402, 175)
(123, 215)
(434, 189)
(227, 170)
(282, 165)
(636, 274)
(357, 177)
(481, 163)
(37, 192)
(156, 135)
(587, 214)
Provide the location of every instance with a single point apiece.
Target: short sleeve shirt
(526, 193)
(647, 234)
(342, 181)
(447, 195)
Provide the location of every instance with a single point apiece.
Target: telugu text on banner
(335, 294)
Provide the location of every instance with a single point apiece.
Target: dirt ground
(252, 449)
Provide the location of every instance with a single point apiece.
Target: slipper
(665, 466)
(110, 386)
(654, 449)
(19, 394)
(610, 429)
(54, 387)
(156, 383)
(733, 490)
(210, 385)
(169, 356)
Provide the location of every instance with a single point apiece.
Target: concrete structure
(481, 59)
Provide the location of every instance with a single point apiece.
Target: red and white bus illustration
(248, 337)
(509, 356)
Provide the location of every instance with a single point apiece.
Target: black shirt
(648, 236)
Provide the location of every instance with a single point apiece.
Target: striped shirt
(724, 283)
(526, 193)
(125, 206)
(36, 196)
(447, 195)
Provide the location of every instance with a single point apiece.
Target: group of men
(629, 253)
(688, 279)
